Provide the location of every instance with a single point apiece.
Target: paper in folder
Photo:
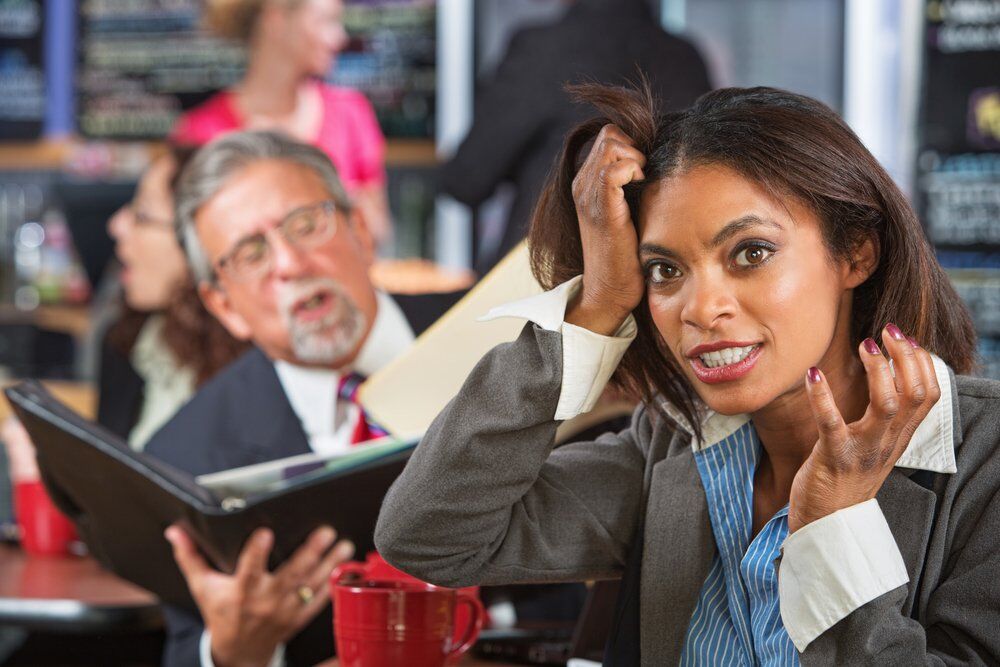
(122, 500)
(406, 396)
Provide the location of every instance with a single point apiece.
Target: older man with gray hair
(281, 259)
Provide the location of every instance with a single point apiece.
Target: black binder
(121, 500)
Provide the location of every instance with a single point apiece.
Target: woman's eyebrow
(741, 224)
(731, 229)
(656, 249)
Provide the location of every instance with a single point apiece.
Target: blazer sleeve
(960, 622)
(484, 498)
(184, 630)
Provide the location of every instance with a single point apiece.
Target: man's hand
(851, 461)
(252, 611)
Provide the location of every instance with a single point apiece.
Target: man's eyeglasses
(305, 227)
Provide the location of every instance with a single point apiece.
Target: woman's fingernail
(913, 341)
(814, 375)
(894, 331)
(871, 347)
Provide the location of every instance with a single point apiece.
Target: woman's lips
(726, 373)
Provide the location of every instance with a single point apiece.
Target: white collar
(932, 446)
(389, 337)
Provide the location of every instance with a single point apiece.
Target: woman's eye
(752, 255)
(661, 273)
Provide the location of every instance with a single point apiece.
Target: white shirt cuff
(833, 566)
(589, 359)
(205, 652)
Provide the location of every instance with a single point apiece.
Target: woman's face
(316, 34)
(741, 287)
(153, 264)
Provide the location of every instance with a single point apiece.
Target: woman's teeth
(725, 356)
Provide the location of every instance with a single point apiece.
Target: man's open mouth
(313, 307)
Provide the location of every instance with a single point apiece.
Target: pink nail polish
(894, 331)
(871, 347)
(913, 341)
(814, 375)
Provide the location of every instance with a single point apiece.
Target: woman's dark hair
(793, 146)
(196, 339)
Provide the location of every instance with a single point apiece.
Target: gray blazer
(485, 500)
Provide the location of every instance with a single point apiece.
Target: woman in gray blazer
(790, 491)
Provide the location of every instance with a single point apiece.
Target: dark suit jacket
(241, 417)
(522, 114)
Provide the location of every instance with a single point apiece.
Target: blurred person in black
(522, 113)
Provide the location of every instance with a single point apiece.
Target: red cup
(376, 568)
(386, 623)
(45, 531)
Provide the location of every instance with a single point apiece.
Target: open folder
(122, 500)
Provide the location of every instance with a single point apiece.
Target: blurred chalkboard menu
(958, 167)
(141, 62)
(391, 58)
(22, 73)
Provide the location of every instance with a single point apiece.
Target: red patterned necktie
(364, 429)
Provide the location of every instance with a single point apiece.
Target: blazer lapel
(677, 556)
(909, 510)
(270, 429)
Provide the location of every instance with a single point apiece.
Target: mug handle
(351, 567)
(471, 634)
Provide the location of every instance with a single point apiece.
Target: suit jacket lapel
(677, 556)
(269, 428)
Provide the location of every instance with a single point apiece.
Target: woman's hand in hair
(613, 284)
(851, 461)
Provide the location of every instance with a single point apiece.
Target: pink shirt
(349, 132)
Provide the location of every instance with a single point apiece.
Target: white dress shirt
(828, 568)
(327, 420)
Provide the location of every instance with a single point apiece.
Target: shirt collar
(932, 446)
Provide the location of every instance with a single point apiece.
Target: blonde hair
(236, 19)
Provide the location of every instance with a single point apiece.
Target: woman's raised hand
(612, 277)
(851, 461)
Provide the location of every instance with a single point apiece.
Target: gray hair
(215, 163)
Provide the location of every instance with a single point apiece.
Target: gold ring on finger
(305, 594)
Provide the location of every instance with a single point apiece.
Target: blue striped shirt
(737, 620)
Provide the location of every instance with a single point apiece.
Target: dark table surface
(70, 593)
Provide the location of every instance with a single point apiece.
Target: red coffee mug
(376, 568)
(45, 531)
(386, 623)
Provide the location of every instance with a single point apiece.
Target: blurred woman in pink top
(292, 45)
